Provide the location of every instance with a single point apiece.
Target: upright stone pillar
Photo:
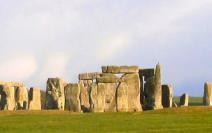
(72, 101)
(207, 98)
(133, 85)
(167, 96)
(153, 90)
(21, 97)
(184, 100)
(34, 99)
(7, 97)
(55, 98)
(122, 97)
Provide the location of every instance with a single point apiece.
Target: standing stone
(207, 98)
(110, 97)
(34, 99)
(153, 90)
(21, 97)
(184, 100)
(85, 86)
(98, 93)
(167, 96)
(122, 97)
(93, 98)
(133, 85)
(72, 101)
(7, 97)
(43, 99)
(55, 98)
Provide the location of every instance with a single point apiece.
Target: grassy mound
(196, 119)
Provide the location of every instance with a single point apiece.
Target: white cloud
(18, 68)
(55, 65)
(112, 46)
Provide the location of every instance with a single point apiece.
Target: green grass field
(195, 119)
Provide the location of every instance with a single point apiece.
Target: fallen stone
(21, 98)
(55, 98)
(34, 99)
(7, 97)
(72, 101)
(122, 97)
(167, 96)
(184, 100)
(207, 98)
(174, 105)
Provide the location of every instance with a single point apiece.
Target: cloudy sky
(49, 38)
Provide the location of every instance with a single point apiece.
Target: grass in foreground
(184, 120)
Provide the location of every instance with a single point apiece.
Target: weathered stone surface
(43, 99)
(167, 96)
(85, 89)
(34, 99)
(7, 97)
(108, 78)
(129, 69)
(98, 93)
(147, 73)
(21, 98)
(89, 76)
(110, 97)
(55, 94)
(153, 91)
(207, 98)
(11, 83)
(122, 97)
(120, 69)
(184, 100)
(93, 98)
(104, 69)
(142, 97)
(133, 84)
(72, 101)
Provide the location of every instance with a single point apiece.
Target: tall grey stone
(207, 98)
(184, 100)
(153, 90)
(55, 98)
(34, 99)
(72, 101)
(167, 96)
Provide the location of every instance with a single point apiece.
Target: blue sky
(41, 39)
